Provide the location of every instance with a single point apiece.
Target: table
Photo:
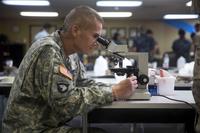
(5, 85)
(156, 110)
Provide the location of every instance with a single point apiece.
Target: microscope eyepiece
(103, 41)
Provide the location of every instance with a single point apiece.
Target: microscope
(139, 68)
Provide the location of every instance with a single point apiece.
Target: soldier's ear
(75, 30)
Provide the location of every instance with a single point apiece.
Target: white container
(181, 62)
(166, 85)
(166, 61)
(100, 66)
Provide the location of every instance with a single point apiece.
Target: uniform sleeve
(66, 99)
(196, 41)
(196, 79)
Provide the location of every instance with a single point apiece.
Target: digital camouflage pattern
(42, 98)
(196, 84)
(197, 39)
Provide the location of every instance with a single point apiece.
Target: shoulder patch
(62, 87)
(63, 70)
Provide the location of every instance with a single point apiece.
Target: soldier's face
(86, 41)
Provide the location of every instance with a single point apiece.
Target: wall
(163, 33)
(18, 30)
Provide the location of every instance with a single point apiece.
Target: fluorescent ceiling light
(119, 3)
(189, 3)
(115, 14)
(27, 2)
(180, 16)
(39, 14)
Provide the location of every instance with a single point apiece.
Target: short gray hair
(83, 16)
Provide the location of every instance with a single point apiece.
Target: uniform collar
(57, 38)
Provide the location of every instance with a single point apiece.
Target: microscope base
(140, 94)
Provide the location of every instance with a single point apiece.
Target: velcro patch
(63, 70)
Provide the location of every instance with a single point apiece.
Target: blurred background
(152, 26)
(18, 31)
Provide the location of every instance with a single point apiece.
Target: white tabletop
(157, 102)
(6, 81)
(154, 102)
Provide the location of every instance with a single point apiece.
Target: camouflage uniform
(196, 84)
(197, 39)
(44, 96)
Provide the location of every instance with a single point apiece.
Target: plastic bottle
(100, 66)
(166, 61)
(181, 62)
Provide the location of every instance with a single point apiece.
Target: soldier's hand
(125, 88)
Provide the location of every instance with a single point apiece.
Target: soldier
(196, 73)
(50, 88)
(196, 38)
(196, 85)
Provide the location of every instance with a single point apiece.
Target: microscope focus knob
(143, 79)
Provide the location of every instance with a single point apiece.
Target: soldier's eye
(96, 35)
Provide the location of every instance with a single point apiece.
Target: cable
(196, 113)
(177, 101)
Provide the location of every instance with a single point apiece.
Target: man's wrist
(114, 93)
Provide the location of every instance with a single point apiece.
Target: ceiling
(151, 9)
